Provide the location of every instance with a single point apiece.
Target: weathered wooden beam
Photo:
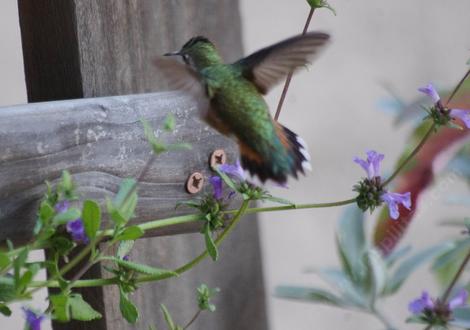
(100, 141)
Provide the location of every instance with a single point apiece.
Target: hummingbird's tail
(286, 156)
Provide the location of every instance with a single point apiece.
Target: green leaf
(179, 146)
(24, 280)
(18, 263)
(351, 242)
(124, 249)
(81, 310)
(128, 309)
(61, 307)
(130, 233)
(122, 208)
(69, 215)
(125, 189)
(46, 211)
(4, 261)
(210, 244)
(376, 275)
(156, 145)
(91, 216)
(204, 295)
(309, 294)
(5, 310)
(168, 319)
(7, 289)
(408, 266)
(461, 318)
(62, 245)
(315, 4)
(141, 268)
(169, 123)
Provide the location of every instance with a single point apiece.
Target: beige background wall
(334, 107)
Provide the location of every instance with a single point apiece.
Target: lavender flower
(421, 304)
(462, 114)
(235, 171)
(126, 257)
(216, 182)
(459, 300)
(372, 164)
(62, 206)
(430, 91)
(371, 191)
(435, 310)
(393, 200)
(33, 320)
(77, 231)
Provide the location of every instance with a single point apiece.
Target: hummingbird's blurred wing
(179, 76)
(269, 66)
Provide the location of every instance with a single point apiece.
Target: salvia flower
(76, 229)
(233, 170)
(435, 311)
(371, 191)
(33, 320)
(62, 206)
(440, 114)
(216, 182)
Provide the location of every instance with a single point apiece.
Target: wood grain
(100, 141)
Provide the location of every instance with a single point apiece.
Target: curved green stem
(411, 155)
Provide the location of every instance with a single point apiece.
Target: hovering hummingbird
(230, 98)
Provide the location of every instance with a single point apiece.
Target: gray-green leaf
(130, 233)
(69, 215)
(168, 319)
(141, 268)
(309, 294)
(210, 244)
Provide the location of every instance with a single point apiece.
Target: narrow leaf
(169, 123)
(141, 268)
(128, 309)
(4, 260)
(168, 319)
(309, 294)
(130, 233)
(69, 215)
(210, 245)
(91, 216)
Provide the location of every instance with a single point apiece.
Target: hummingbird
(230, 99)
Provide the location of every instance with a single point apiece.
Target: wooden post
(88, 48)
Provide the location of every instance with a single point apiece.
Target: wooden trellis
(76, 49)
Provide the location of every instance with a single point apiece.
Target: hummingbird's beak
(173, 54)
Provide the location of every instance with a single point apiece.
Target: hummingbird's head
(198, 52)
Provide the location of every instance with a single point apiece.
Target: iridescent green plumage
(231, 99)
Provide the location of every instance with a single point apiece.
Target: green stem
(411, 155)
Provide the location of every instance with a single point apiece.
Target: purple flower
(462, 114)
(459, 300)
(33, 320)
(421, 304)
(430, 91)
(216, 182)
(62, 206)
(126, 257)
(77, 231)
(393, 200)
(235, 171)
(372, 164)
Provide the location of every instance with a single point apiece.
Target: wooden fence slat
(88, 48)
(100, 141)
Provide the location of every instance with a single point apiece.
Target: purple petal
(32, 319)
(77, 231)
(62, 206)
(233, 170)
(463, 115)
(393, 200)
(372, 164)
(418, 305)
(216, 182)
(430, 91)
(459, 300)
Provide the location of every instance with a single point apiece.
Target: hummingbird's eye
(186, 59)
